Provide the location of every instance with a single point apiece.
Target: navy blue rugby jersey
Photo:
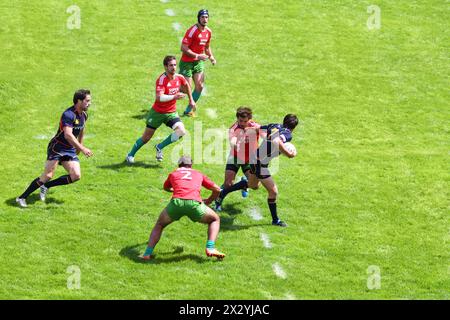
(268, 150)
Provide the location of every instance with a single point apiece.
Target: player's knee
(75, 176)
(228, 184)
(181, 131)
(179, 128)
(146, 138)
(273, 193)
(199, 86)
(46, 177)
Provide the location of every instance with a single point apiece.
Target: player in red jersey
(243, 136)
(170, 87)
(186, 183)
(196, 49)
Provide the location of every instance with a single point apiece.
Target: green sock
(148, 251)
(195, 95)
(137, 145)
(210, 244)
(171, 138)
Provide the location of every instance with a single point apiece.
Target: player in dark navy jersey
(274, 137)
(63, 149)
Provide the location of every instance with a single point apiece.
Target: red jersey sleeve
(160, 86)
(167, 183)
(207, 183)
(187, 40)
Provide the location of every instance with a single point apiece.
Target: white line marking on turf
(266, 241)
(255, 214)
(205, 91)
(42, 137)
(211, 113)
(170, 12)
(165, 1)
(279, 272)
(176, 26)
(290, 296)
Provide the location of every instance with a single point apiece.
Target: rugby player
(170, 87)
(196, 49)
(274, 137)
(186, 183)
(243, 139)
(63, 149)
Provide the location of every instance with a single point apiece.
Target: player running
(186, 183)
(196, 49)
(164, 109)
(63, 149)
(243, 138)
(274, 137)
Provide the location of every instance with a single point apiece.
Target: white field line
(170, 12)
(176, 26)
(279, 272)
(211, 113)
(266, 240)
(165, 1)
(290, 296)
(205, 91)
(42, 137)
(255, 214)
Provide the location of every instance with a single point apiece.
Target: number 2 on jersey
(187, 175)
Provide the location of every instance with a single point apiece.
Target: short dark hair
(167, 59)
(290, 121)
(244, 112)
(80, 95)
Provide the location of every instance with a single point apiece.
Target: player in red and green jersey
(186, 183)
(170, 87)
(243, 136)
(196, 49)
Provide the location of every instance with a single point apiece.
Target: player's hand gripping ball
(291, 148)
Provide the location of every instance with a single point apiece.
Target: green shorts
(189, 68)
(156, 119)
(233, 165)
(194, 210)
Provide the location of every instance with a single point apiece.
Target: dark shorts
(57, 151)
(260, 170)
(234, 165)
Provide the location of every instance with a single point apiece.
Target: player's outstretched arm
(214, 194)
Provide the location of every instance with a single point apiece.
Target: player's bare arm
(161, 97)
(185, 49)
(209, 53)
(75, 143)
(282, 148)
(80, 138)
(214, 194)
(187, 90)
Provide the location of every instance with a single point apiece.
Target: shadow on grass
(32, 199)
(133, 253)
(227, 224)
(141, 116)
(139, 164)
(232, 209)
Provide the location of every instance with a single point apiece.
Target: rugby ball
(290, 147)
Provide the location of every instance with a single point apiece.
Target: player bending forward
(186, 183)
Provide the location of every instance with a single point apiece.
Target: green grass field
(369, 188)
